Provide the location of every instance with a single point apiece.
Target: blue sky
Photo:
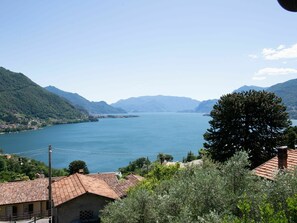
(110, 50)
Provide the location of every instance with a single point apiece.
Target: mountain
(26, 105)
(80, 102)
(206, 106)
(288, 92)
(157, 104)
(248, 88)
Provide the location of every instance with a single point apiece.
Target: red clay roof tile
(269, 169)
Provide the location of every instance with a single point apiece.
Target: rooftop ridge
(80, 181)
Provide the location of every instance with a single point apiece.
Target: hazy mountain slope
(288, 92)
(22, 100)
(206, 106)
(248, 88)
(82, 103)
(157, 104)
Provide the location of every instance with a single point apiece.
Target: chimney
(282, 155)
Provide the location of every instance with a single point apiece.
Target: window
(86, 215)
(28, 208)
(14, 211)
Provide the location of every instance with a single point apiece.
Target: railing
(24, 216)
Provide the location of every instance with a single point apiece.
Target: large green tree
(77, 166)
(252, 121)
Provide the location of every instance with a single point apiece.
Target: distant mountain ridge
(26, 105)
(206, 106)
(248, 88)
(157, 103)
(93, 108)
(287, 91)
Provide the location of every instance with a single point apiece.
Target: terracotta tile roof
(130, 181)
(119, 186)
(24, 191)
(66, 188)
(269, 169)
(110, 178)
(75, 185)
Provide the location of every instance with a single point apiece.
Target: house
(76, 198)
(79, 198)
(23, 199)
(285, 159)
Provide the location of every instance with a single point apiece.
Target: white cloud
(280, 47)
(281, 52)
(262, 74)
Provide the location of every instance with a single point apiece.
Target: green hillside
(26, 105)
(288, 92)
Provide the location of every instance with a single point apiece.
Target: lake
(111, 143)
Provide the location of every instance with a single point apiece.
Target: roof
(269, 169)
(124, 185)
(119, 186)
(67, 188)
(76, 185)
(24, 191)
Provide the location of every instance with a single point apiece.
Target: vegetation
(252, 121)
(139, 166)
(213, 192)
(190, 157)
(25, 105)
(14, 168)
(164, 157)
(77, 166)
(291, 137)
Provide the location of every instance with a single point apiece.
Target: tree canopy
(213, 192)
(78, 165)
(252, 121)
(14, 167)
(164, 157)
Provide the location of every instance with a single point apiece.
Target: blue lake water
(111, 143)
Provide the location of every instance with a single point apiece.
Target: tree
(138, 166)
(291, 137)
(190, 157)
(76, 166)
(164, 157)
(252, 121)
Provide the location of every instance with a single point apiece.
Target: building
(285, 160)
(23, 199)
(76, 198)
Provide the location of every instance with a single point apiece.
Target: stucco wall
(39, 208)
(70, 211)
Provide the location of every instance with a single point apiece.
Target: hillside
(288, 92)
(248, 88)
(206, 106)
(157, 104)
(26, 105)
(93, 108)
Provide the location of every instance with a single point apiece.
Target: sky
(115, 49)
